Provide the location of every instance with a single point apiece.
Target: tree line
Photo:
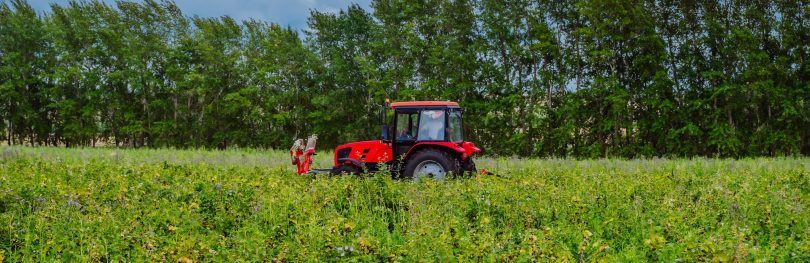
(587, 78)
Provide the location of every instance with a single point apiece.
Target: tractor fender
(356, 162)
(453, 148)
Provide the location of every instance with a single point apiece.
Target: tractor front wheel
(469, 166)
(347, 169)
(431, 163)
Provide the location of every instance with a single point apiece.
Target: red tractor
(428, 142)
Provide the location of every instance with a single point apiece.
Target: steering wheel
(405, 136)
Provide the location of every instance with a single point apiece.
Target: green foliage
(590, 78)
(248, 205)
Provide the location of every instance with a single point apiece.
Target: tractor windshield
(455, 126)
(431, 125)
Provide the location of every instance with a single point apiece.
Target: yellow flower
(348, 227)
(485, 220)
(654, 241)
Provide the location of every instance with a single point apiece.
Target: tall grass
(248, 205)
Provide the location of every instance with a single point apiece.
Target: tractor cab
(430, 121)
(425, 138)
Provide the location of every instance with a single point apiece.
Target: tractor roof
(424, 104)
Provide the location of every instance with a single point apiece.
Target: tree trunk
(174, 102)
(579, 67)
(10, 133)
(145, 104)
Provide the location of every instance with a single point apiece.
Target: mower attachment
(298, 150)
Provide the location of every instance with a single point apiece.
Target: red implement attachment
(298, 150)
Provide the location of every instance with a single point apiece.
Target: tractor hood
(375, 151)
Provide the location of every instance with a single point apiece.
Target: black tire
(347, 169)
(449, 164)
(469, 167)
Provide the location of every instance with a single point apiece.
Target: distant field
(248, 205)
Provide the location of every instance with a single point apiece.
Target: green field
(248, 205)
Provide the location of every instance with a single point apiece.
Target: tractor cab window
(431, 125)
(406, 126)
(455, 126)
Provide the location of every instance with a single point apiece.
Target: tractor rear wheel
(433, 163)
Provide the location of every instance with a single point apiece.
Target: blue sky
(293, 12)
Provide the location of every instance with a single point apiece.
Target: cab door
(406, 127)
